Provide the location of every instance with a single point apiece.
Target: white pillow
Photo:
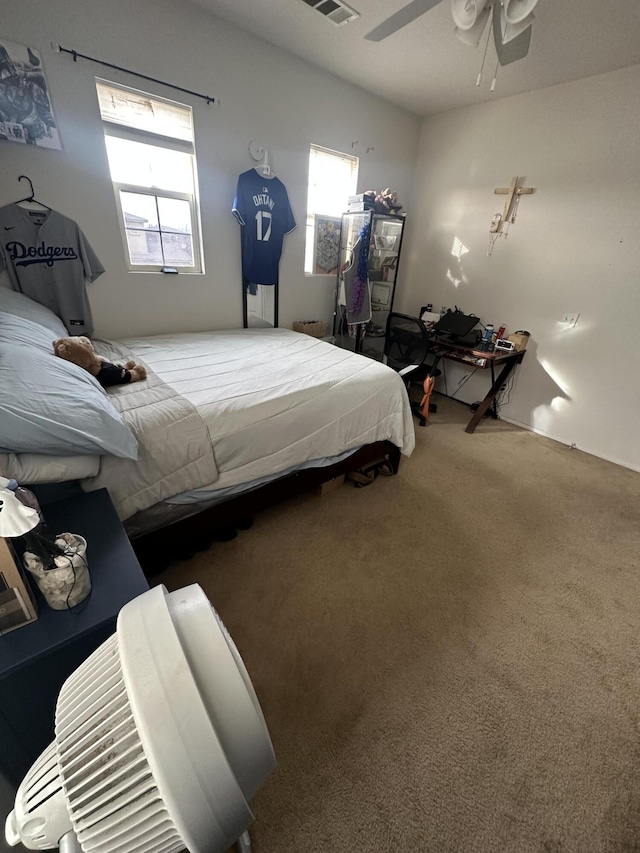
(49, 405)
(19, 305)
(19, 330)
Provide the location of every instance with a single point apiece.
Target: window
(333, 177)
(152, 160)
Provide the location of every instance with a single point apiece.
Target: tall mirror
(260, 306)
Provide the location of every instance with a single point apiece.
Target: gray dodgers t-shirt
(49, 259)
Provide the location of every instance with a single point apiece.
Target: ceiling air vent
(338, 13)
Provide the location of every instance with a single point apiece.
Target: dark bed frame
(181, 539)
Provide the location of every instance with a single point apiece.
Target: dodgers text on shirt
(41, 254)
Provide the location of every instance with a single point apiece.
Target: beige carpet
(449, 659)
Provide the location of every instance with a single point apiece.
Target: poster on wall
(26, 114)
(326, 244)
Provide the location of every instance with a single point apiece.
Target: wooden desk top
(474, 357)
(471, 356)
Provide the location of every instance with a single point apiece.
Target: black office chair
(406, 347)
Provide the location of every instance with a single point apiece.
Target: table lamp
(16, 519)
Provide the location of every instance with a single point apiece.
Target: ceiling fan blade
(401, 18)
(513, 50)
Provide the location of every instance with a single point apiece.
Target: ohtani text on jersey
(263, 199)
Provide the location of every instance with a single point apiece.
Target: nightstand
(36, 659)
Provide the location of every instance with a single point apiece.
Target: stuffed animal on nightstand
(80, 351)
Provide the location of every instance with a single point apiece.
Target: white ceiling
(424, 68)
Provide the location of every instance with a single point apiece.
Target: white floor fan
(159, 745)
(512, 21)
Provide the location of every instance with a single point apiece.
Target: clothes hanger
(257, 151)
(31, 198)
(264, 168)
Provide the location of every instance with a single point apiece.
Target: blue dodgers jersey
(262, 207)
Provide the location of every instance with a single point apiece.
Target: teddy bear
(80, 351)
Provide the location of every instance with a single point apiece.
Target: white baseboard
(537, 431)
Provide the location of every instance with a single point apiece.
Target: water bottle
(487, 337)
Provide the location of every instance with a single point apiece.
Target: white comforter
(268, 400)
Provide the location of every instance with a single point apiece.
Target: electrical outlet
(569, 319)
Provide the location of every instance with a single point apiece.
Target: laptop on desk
(469, 342)
(455, 328)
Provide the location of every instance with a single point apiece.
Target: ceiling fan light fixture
(511, 31)
(517, 11)
(466, 12)
(472, 36)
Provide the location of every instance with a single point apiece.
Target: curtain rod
(77, 56)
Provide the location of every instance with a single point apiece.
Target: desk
(36, 659)
(478, 359)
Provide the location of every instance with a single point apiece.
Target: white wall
(265, 94)
(574, 247)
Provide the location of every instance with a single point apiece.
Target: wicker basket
(315, 328)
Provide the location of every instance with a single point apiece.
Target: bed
(225, 423)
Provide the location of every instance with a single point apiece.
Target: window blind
(131, 108)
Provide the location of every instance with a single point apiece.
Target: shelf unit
(385, 250)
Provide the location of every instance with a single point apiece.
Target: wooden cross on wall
(512, 192)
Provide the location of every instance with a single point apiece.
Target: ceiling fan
(512, 21)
